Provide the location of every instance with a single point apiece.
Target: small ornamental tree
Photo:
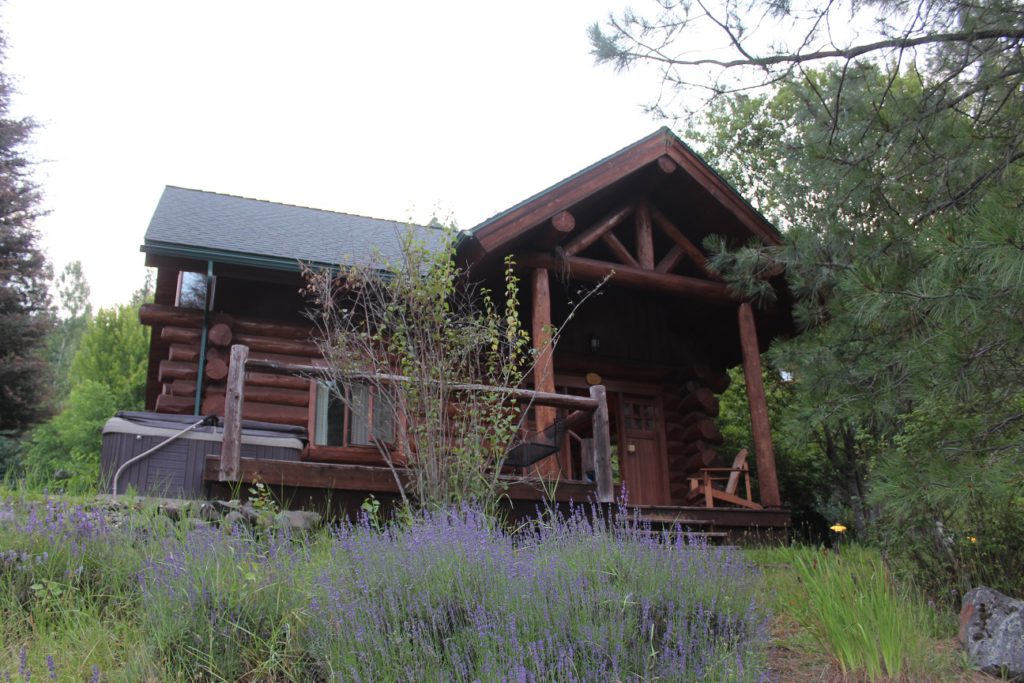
(420, 318)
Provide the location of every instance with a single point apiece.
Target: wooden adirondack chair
(702, 484)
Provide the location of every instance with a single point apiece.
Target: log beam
(644, 237)
(594, 232)
(683, 242)
(619, 249)
(595, 271)
(177, 405)
(552, 233)
(171, 370)
(670, 260)
(767, 478)
(270, 395)
(563, 222)
(220, 334)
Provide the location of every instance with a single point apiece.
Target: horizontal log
(322, 475)
(679, 430)
(216, 369)
(180, 335)
(177, 405)
(266, 379)
(288, 397)
(681, 461)
(213, 404)
(592, 270)
(267, 328)
(563, 222)
(716, 380)
(706, 430)
(691, 418)
(183, 352)
(264, 412)
(578, 419)
(171, 370)
(684, 467)
(274, 345)
(318, 363)
(536, 397)
(219, 334)
(182, 387)
(308, 474)
(703, 400)
(158, 314)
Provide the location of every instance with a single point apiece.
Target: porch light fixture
(595, 343)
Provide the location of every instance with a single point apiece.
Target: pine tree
(24, 276)
(896, 168)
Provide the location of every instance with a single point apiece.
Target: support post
(767, 478)
(602, 446)
(644, 237)
(543, 368)
(202, 340)
(231, 446)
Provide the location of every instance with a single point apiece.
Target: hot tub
(175, 470)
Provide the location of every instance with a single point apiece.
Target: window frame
(347, 451)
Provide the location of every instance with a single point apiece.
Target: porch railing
(593, 408)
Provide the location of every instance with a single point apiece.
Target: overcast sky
(395, 109)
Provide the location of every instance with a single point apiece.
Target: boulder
(299, 520)
(992, 632)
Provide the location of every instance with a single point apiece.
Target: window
(192, 290)
(365, 418)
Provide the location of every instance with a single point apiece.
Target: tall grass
(851, 607)
(442, 596)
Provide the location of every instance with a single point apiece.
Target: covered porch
(659, 328)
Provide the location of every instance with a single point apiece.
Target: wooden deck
(736, 525)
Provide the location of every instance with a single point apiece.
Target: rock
(208, 513)
(992, 632)
(172, 509)
(300, 520)
(232, 518)
(61, 475)
(249, 512)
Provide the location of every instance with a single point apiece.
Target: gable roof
(511, 226)
(229, 229)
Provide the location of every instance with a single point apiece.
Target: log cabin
(650, 353)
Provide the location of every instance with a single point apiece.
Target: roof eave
(508, 225)
(221, 256)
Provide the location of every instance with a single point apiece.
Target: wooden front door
(642, 462)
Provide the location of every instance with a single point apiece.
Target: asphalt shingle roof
(194, 219)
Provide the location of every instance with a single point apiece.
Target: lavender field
(444, 596)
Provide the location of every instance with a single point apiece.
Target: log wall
(269, 397)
